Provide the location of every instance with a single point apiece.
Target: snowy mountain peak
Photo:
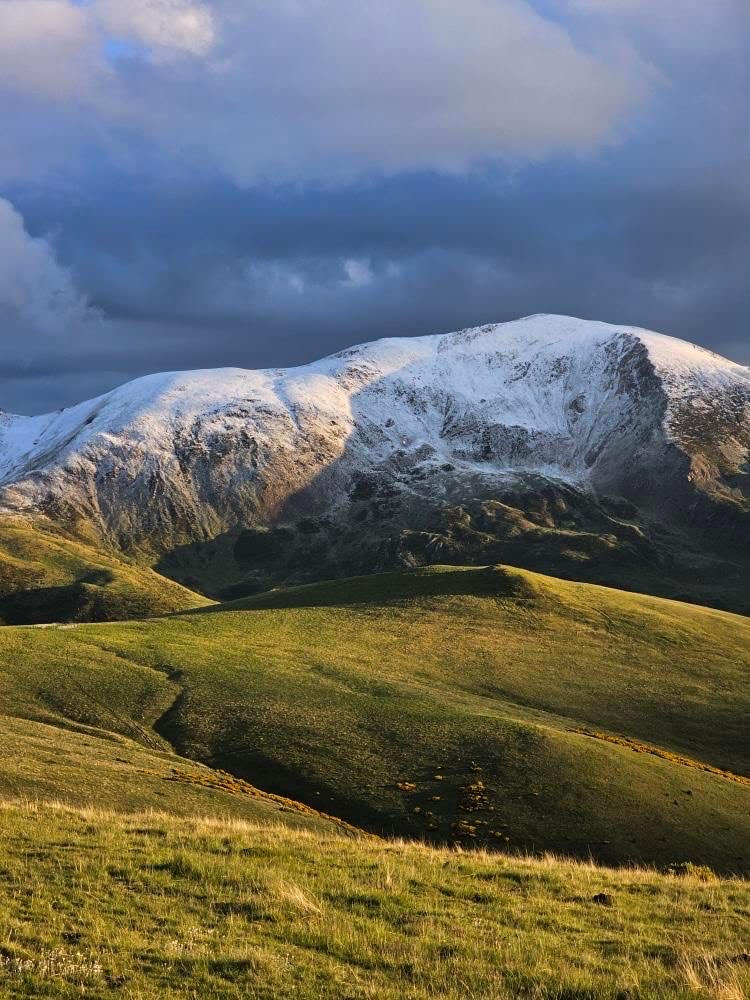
(171, 457)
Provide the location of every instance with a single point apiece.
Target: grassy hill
(150, 906)
(85, 767)
(47, 575)
(471, 706)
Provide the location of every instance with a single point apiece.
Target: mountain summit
(553, 439)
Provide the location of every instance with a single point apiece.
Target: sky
(258, 183)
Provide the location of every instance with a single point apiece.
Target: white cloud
(48, 48)
(322, 89)
(39, 302)
(403, 84)
(163, 25)
(54, 48)
(358, 272)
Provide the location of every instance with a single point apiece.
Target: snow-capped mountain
(410, 424)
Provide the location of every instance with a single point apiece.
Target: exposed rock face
(416, 425)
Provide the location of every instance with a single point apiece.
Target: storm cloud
(252, 183)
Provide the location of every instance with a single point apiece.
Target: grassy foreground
(148, 906)
(470, 706)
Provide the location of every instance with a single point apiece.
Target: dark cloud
(174, 262)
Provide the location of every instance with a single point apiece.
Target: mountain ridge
(683, 367)
(395, 435)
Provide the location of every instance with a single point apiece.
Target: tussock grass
(147, 905)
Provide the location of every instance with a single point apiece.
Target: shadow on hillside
(85, 599)
(401, 587)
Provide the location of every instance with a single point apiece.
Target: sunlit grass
(385, 700)
(48, 575)
(97, 904)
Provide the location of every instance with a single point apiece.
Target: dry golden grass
(145, 906)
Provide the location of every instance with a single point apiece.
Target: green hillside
(471, 706)
(49, 576)
(149, 907)
(88, 767)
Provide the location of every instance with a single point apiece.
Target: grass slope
(149, 906)
(46, 575)
(444, 704)
(85, 767)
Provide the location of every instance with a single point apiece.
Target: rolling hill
(346, 778)
(87, 767)
(48, 575)
(476, 706)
